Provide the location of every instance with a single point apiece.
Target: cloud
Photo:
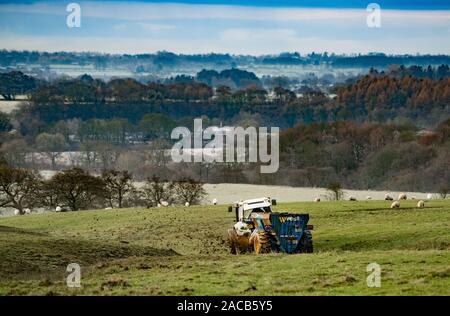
(236, 34)
(120, 27)
(256, 35)
(154, 11)
(156, 28)
(220, 28)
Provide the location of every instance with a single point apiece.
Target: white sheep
(108, 208)
(402, 196)
(164, 203)
(429, 196)
(420, 204)
(27, 211)
(158, 205)
(387, 197)
(58, 209)
(395, 204)
(214, 201)
(186, 204)
(368, 197)
(317, 199)
(352, 198)
(16, 212)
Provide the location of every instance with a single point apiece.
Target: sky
(228, 26)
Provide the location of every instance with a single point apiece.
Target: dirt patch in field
(29, 256)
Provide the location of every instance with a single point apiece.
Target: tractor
(260, 230)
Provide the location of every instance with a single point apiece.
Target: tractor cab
(246, 210)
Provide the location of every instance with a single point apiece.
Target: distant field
(182, 251)
(9, 106)
(227, 193)
(232, 192)
(77, 70)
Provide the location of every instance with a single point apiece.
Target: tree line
(366, 156)
(357, 155)
(364, 137)
(76, 189)
(169, 59)
(413, 94)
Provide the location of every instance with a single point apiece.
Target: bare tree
(444, 191)
(88, 147)
(335, 191)
(189, 190)
(108, 154)
(15, 151)
(131, 160)
(158, 153)
(46, 195)
(155, 191)
(118, 184)
(52, 145)
(18, 188)
(205, 169)
(76, 189)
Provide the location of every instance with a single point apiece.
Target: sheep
(352, 198)
(395, 204)
(214, 201)
(12, 132)
(429, 196)
(186, 204)
(58, 209)
(368, 197)
(158, 205)
(387, 197)
(108, 208)
(16, 212)
(27, 211)
(317, 199)
(402, 196)
(164, 203)
(420, 204)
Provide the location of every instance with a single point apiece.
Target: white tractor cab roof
(247, 207)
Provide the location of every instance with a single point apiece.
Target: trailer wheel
(306, 243)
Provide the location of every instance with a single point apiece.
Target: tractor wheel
(306, 243)
(263, 242)
(238, 244)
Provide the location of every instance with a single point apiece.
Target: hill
(182, 251)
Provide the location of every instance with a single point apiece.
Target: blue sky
(228, 26)
(387, 4)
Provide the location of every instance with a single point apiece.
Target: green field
(183, 251)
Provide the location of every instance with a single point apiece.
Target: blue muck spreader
(260, 230)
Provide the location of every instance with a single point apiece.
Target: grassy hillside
(171, 251)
